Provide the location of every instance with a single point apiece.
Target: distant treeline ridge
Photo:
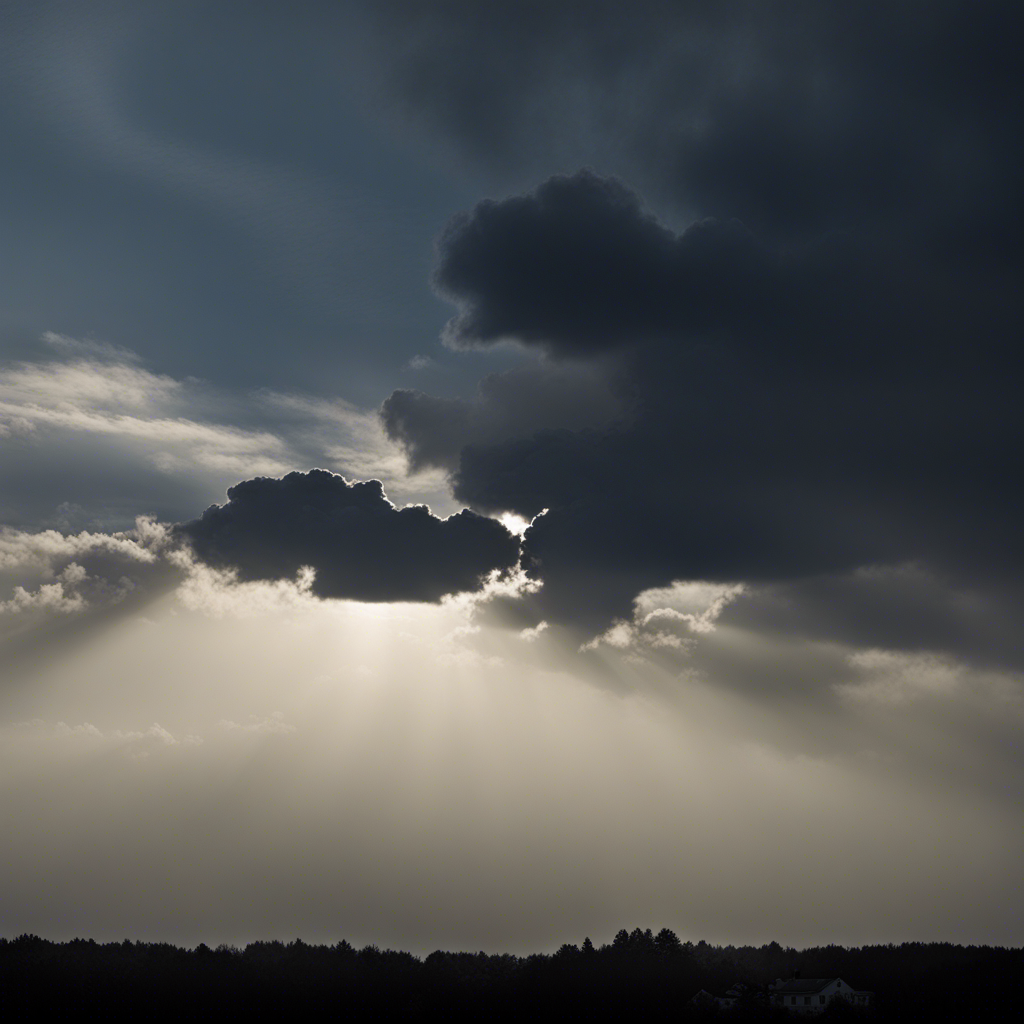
(639, 971)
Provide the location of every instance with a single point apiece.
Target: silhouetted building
(739, 994)
(812, 995)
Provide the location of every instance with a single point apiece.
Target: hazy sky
(661, 565)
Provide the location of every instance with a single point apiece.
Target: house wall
(801, 1007)
(830, 991)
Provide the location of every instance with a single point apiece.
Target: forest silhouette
(639, 972)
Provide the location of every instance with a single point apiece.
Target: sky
(477, 476)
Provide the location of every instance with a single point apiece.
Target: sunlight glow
(437, 759)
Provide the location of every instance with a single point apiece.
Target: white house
(812, 995)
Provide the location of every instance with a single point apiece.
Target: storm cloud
(578, 267)
(727, 410)
(796, 118)
(360, 545)
(433, 430)
(788, 413)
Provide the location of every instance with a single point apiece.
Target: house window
(821, 999)
(807, 1000)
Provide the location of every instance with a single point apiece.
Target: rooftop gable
(803, 986)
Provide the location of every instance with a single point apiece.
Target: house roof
(803, 986)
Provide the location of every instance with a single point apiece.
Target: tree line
(638, 972)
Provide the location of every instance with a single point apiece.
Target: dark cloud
(360, 545)
(894, 607)
(577, 266)
(434, 430)
(762, 491)
(805, 303)
(794, 117)
(640, 519)
(791, 413)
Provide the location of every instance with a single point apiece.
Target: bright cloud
(20, 549)
(691, 607)
(94, 413)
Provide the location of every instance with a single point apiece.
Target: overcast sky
(477, 476)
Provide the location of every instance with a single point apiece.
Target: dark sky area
(625, 376)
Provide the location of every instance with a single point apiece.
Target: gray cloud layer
(434, 430)
(791, 413)
(820, 376)
(794, 117)
(764, 383)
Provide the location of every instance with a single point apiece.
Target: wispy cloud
(60, 596)
(21, 549)
(88, 348)
(142, 427)
(38, 735)
(270, 725)
(351, 441)
(91, 396)
(669, 616)
(533, 633)
(79, 83)
(899, 677)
